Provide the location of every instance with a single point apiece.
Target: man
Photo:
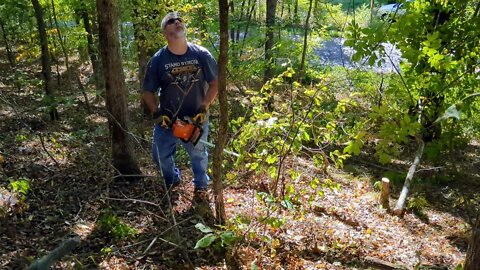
(186, 76)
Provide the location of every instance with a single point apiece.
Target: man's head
(173, 26)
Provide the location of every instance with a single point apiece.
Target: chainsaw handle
(200, 118)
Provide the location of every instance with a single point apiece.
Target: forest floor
(336, 223)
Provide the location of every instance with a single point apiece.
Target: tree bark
(223, 125)
(10, 57)
(305, 40)
(144, 53)
(372, 4)
(241, 18)
(231, 5)
(295, 11)
(115, 91)
(472, 260)
(46, 61)
(270, 22)
(249, 19)
(92, 49)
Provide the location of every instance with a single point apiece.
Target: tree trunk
(92, 50)
(295, 11)
(10, 57)
(249, 19)
(472, 261)
(46, 61)
(270, 21)
(477, 8)
(62, 46)
(140, 27)
(223, 125)
(115, 91)
(231, 5)
(400, 206)
(305, 39)
(241, 18)
(372, 4)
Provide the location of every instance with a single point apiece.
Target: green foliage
(215, 238)
(20, 186)
(106, 250)
(435, 72)
(112, 224)
(21, 138)
(417, 202)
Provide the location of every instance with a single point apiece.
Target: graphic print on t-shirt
(183, 75)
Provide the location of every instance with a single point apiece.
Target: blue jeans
(164, 146)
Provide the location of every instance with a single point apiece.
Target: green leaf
(384, 158)
(228, 238)
(451, 112)
(372, 59)
(353, 147)
(206, 241)
(271, 159)
(203, 228)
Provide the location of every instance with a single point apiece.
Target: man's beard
(178, 32)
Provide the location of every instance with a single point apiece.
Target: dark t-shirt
(182, 79)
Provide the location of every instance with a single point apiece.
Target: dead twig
(132, 200)
(48, 153)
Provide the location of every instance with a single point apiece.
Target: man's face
(175, 28)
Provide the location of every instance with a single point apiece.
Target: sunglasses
(173, 20)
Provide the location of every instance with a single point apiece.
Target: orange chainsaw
(189, 129)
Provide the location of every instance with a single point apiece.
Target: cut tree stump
(384, 197)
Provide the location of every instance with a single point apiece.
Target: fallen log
(400, 206)
(48, 260)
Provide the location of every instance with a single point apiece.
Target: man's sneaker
(200, 196)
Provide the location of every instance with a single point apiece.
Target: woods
(340, 137)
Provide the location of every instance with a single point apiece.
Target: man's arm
(150, 101)
(211, 93)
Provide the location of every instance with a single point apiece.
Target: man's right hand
(162, 119)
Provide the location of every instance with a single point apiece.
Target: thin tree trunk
(46, 61)
(282, 9)
(295, 11)
(305, 39)
(10, 57)
(472, 260)
(400, 206)
(372, 3)
(252, 9)
(240, 19)
(54, 57)
(62, 46)
(270, 22)
(223, 125)
(92, 50)
(115, 91)
(477, 9)
(231, 5)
